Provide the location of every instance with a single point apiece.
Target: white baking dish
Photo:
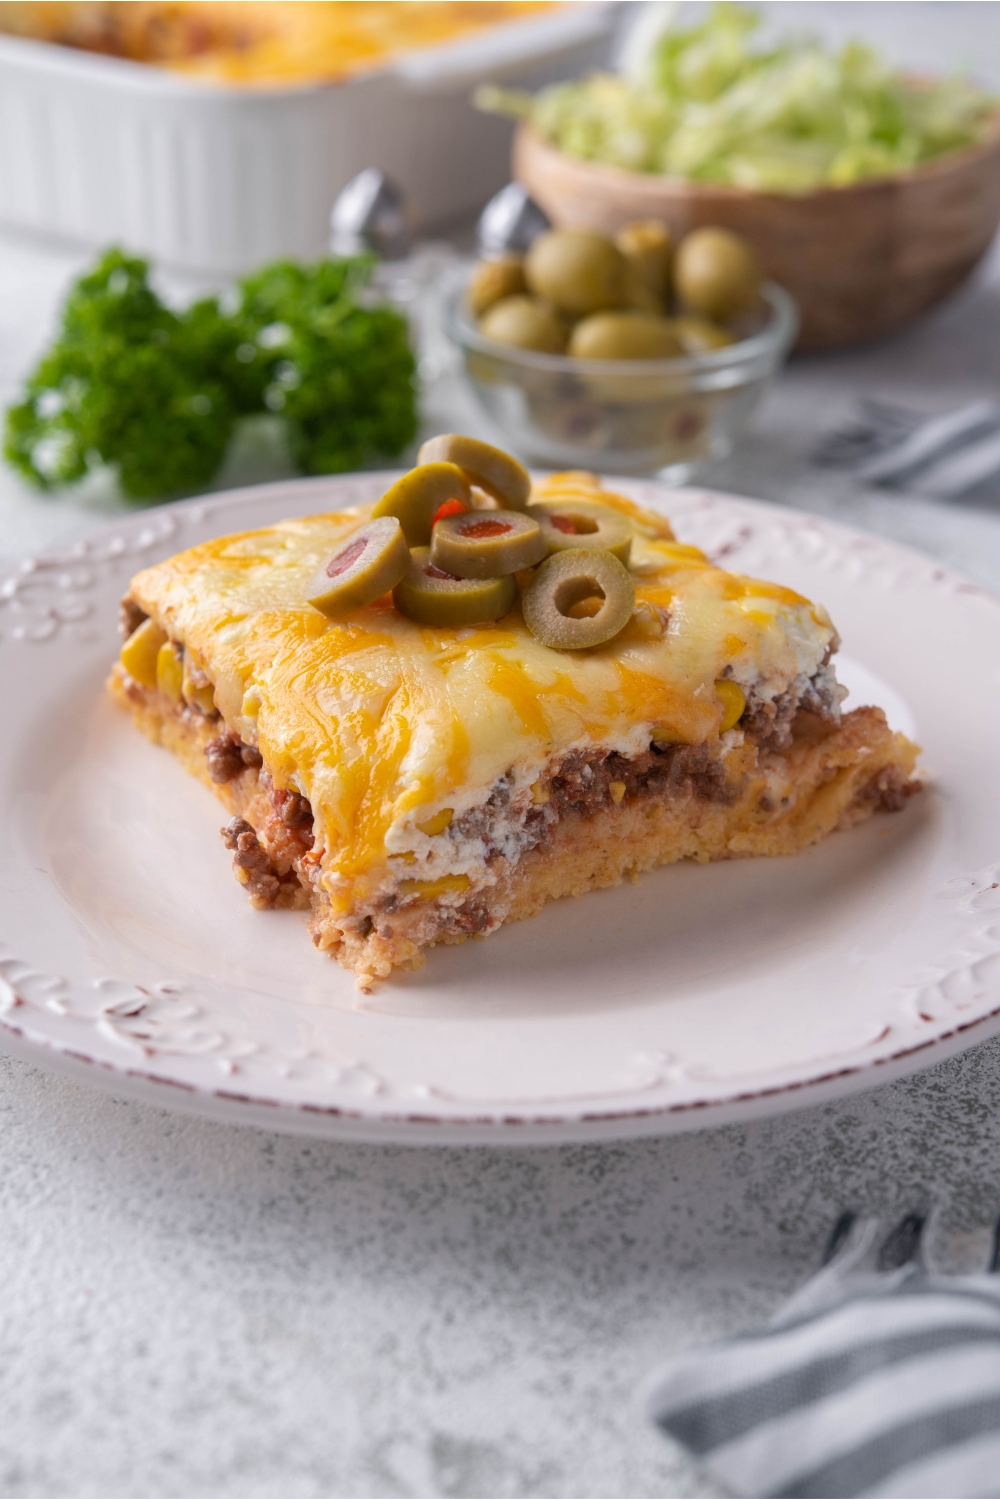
(214, 178)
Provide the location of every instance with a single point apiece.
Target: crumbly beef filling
(586, 783)
(769, 722)
(582, 784)
(274, 858)
(252, 864)
(889, 791)
(130, 617)
(268, 868)
(227, 757)
(268, 858)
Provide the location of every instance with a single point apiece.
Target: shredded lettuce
(711, 103)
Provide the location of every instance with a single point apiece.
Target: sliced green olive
(366, 565)
(416, 498)
(487, 543)
(431, 596)
(557, 602)
(493, 470)
(583, 524)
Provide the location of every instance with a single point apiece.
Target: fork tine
(902, 1243)
(888, 416)
(929, 441)
(878, 425)
(838, 1236)
(993, 1264)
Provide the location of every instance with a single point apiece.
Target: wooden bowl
(860, 261)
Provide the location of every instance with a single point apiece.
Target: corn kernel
(678, 554)
(540, 794)
(438, 823)
(428, 889)
(138, 655)
(646, 623)
(169, 671)
(197, 694)
(406, 858)
(734, 644)
(585, 609)
(662, 734)
(617, 790)
(734, 701)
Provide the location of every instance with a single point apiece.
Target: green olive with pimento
(488, 544)
(587, 524)
(416, 498)
(430, 595)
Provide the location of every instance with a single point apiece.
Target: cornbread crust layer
(732, 798)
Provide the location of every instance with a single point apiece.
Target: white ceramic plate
(129, 956)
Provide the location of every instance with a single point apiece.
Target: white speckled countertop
(190, 1309)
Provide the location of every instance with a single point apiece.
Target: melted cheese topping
(259, 42)
(381, 722)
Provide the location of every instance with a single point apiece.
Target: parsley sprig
(156, 394)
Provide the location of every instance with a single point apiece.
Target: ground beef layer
(601, 818)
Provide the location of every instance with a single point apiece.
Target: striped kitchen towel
(939, 456)
(870, 1381)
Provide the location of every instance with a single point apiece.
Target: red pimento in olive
(583, 523)
(418, 496)
(449, 508)
(487, 546)
(343, 560)
(365, 566)
(431, 595)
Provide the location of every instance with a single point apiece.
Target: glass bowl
(652, 416)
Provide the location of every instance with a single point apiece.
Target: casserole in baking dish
(178, 163)
(257, 41)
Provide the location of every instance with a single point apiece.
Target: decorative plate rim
(28, 615)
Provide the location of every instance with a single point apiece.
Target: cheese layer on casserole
(259, 42)
(384, 724)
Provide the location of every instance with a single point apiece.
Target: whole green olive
(576, 270)
(625, 335)
(699, 336)
(717, 274)
(638, 297)
(649, 249)
(526, 323)
(493, 279)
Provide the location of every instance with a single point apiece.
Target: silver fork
(903, 1244)
(937, 456)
